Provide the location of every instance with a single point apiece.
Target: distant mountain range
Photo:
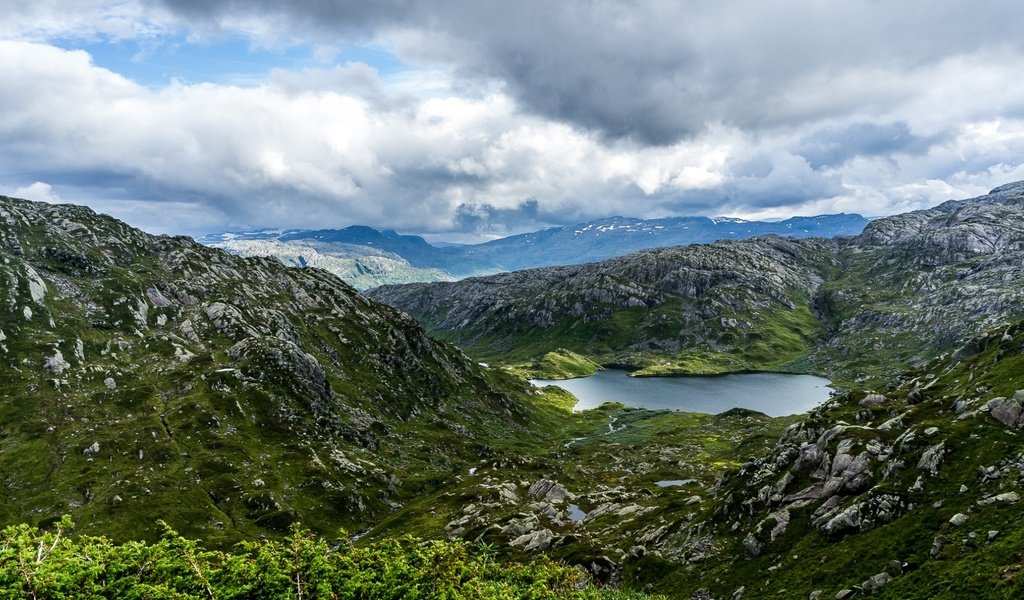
(370, 257)
(908, 288)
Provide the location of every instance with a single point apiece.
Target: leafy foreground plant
(49, 564)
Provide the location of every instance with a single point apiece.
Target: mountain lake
(775, 394)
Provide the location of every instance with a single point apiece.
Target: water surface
(673, 482)
(775, 394)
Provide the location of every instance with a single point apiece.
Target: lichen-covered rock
(550, 491)
(534, 541)
(861, 516)
(932, 458)
(270, 358)
(1008, 411)
(55, 364)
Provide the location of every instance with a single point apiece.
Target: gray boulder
(550, 491)
(1008, 411)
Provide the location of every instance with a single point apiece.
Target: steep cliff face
(151, 377)
(907, 287)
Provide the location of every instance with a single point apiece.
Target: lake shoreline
(772, 393)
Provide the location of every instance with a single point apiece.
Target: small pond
(775, 394)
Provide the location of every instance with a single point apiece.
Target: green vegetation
(51, 564)
(151, 378)
(559, 364)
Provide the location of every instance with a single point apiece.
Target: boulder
(550, 491)
(932, 458)
(55, 365)
(535, 541)
(1008, 411)
(875, 582)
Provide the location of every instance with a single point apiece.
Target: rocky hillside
(151, 378)
(362, 267)
(911, 490)
(908, 287)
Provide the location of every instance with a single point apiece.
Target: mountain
(151, 377)
(362, 267)
(908, 287)
(615, 236)
(587, 242)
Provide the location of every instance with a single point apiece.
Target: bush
(50, 564)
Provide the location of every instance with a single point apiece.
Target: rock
(958, 520)
(1004, 498)
(861, 516)
(872, 399)
(845, 594)
(55, 365)
(517, 528)
(36, 286)
(1009, 412)
(810, 456)
(550, 491)
(535, 541)
(931, 432)
(992, 535)
(157, 299)
(814, 595)
(915, 396)
(932, 458)
(270, 357)
(876, 581)
(110, 383)
(753, 546)
(507, 493)
(93, 449)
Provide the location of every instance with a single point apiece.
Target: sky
(471, 119)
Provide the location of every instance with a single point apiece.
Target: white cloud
(452, 144)
(38, 191)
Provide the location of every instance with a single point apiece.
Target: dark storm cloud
(657, 71)
(488, 219)
(834, 146)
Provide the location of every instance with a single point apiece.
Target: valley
(153, 379)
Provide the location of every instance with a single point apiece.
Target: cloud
(38, 191)
(834, 146)
(657, 70)
(511, 116)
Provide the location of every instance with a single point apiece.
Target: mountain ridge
(150, 377)
(940, 273)
(574, 244)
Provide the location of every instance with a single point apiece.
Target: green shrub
(50, 564)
